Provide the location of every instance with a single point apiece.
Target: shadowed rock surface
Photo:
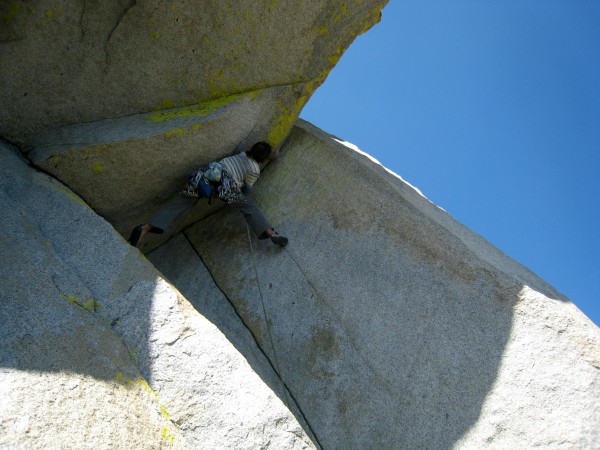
(112, 59)
(395, 326)
(122, 100)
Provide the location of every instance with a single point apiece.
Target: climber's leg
(255, 218)
(174, 209)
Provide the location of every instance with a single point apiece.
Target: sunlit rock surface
(97, 350)
(384, 324)
(393, 325)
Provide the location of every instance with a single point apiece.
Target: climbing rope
(266, 318)
(275, 360)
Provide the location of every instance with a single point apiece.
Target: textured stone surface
(121, 100)
(384, 324)
(88, 61)
(97, 350)
(68, 381)
(126, 167)
(395, 326)
(194, 281)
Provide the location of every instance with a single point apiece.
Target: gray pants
(181, 205)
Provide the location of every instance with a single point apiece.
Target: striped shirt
(243, 169)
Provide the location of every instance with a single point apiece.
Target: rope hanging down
(275, 360)
(266, 318)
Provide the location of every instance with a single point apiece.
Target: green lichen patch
(166, 430)
(165, 104)
(198, 110)
(176, 132)
(166, 434)
(287, 115)
(163, 411)
(71, 195)
(340, 12)
(97, 168)
(10, 11)
(144, 384)
(77, 198)
(119, 378)
(89, 305)
(69, 299)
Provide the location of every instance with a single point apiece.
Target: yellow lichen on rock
(198, 110)
(167, 429)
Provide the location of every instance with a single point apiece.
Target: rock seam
(284, 385)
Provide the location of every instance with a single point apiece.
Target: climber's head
(259, 152)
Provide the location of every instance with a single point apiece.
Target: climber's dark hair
(259, 152)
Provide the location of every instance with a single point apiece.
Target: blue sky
(492, 109)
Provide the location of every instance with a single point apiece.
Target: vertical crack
(81, 16)
(127, 8)
(283, 383)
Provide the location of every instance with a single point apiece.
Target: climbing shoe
(279, 240)
(136, 235)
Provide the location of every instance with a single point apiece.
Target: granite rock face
(121, 100)
(114, 59)
(98, 350)
(393, 325)
(383, 324)
(129, 166)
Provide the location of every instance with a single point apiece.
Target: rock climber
(230, 179)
